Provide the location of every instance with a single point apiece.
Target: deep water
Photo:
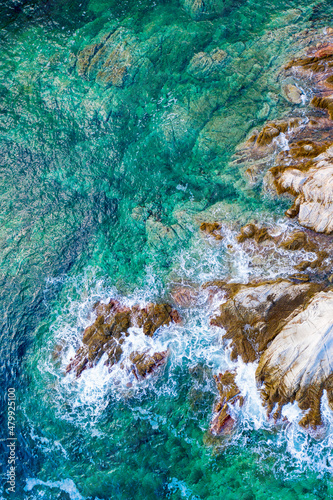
(103, 189)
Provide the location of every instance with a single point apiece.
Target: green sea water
(103, 188)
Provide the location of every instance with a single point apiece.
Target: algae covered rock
(297, 366)
(110, 329)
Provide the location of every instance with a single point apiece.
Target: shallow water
(103, 189)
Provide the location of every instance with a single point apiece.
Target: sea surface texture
(123, 177)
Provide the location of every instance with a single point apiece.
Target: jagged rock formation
(288, 327)
(222, 422)
(212, 229)
(315, 250)
(254, 314)
(297, 366)
(313, 191)
(144, 363)
(110, 329)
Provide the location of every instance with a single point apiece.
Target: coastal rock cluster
(286, 325)
(109, 331)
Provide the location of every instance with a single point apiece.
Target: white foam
(66, 485)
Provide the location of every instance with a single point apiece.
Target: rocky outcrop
(222, 422)
(297, 366)
(311, 251)
(301, 151)
(254, 314)
(110, 329)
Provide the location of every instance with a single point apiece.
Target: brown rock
(185, 296)
(109, 330)
(250, 231)
(222, 422)
(212, 229)
(144, 363)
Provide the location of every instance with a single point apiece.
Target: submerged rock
(185, 296)
(117, 59)
(110, 329)
(222, 422)
(292, 93)
(207, 64)
(297, 365)
(255, 313)
(201, 9)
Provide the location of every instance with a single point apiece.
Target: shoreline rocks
(299, 151)
(288, 327)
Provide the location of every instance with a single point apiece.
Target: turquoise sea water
(103, 189)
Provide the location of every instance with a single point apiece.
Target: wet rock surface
(287, 324)
(297, 366)
(212, 229)
(145, 363)
(110, 329)
(288, 327)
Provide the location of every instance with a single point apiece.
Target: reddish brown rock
(185, 296)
